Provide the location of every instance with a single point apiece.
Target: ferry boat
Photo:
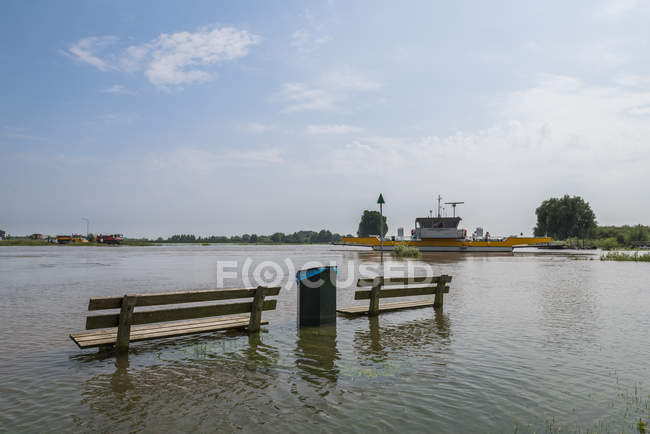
(441, 234)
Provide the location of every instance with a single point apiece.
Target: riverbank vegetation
(613, 238)
(299, 237)
(571, 219)
(623, 256)
(404, 251)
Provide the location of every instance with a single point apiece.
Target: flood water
(530, 341)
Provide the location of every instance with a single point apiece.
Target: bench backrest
(179, 313)
(399, 287)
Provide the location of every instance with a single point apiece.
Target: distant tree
(91, 237)
(277, 237)
(252, 238)
(369, 224)
(324, 236)
(2, 234)
(637, 235)
(565, 217)
(336, 237)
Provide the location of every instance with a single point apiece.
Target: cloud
(328, 93)
(255, 127)
(617, 8)
(118, 89)
(332, 129)
(633, 80)
(85, 50)
(170, 60)
(311, 36)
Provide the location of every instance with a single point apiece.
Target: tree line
(299, 237)
(571, 218)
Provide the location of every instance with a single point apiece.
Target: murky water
(531, 341)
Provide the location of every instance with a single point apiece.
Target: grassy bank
(622, 256)
(404, 251)
(23, 242)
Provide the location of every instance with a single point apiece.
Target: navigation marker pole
(381, 202)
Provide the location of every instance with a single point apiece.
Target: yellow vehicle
(63, 239)
(67, 239)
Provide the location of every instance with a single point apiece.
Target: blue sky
(154, 118)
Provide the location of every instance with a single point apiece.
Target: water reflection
(120, 380)
(316, 354)
(380, 343)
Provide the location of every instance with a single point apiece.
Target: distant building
(36, 236)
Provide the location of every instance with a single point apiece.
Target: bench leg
(124, 327)
(256, 311)
(440, 287)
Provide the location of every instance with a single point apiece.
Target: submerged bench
(128, 326)
(433, 285)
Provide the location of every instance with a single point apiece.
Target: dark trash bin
(316, 296)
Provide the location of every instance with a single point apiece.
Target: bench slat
(138, 334)
(400, 292)
(147, 328)
(402, 280)
(161, 298)
(153, 316)
(386, 307)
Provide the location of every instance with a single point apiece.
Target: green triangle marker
(380, 200)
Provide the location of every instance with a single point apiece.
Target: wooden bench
(128, 326)
(381, 287)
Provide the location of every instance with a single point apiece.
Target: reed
(622, 256)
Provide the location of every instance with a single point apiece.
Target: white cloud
(332, 129)
(328, 93)
(633, 80)
(85, 50)
(170, 59)
(311, 36)
(640, 111)
(617, 8)
(255, 127)
(118, 89)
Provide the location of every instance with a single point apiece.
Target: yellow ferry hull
(450, 245)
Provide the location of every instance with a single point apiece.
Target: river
(530, 341)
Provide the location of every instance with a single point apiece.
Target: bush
(404, 251)
(608, 244)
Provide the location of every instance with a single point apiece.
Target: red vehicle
(110, 239)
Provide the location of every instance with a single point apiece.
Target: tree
(369, 224)
(2, 234)
(277, 237)
(637, 235)
(565, 217)
(324, 236)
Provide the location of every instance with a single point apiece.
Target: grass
(622, 256)
(403, 251)
(23, 242)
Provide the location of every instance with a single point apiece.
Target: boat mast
(439, 199)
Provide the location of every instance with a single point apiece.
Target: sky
(152, 118)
